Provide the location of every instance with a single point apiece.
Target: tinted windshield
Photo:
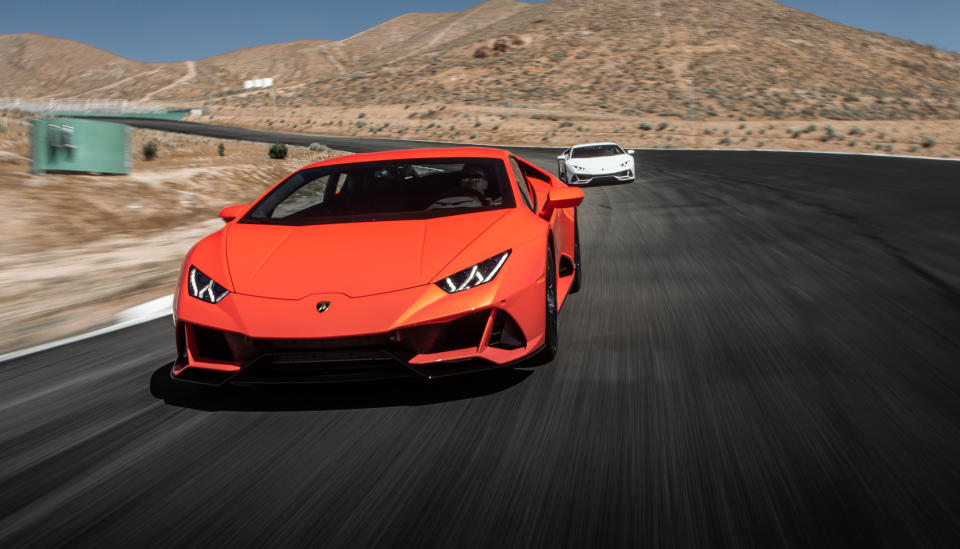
(385, 190)
(596, 150)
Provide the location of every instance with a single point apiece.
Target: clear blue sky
(177, 30)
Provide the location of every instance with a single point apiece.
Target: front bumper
(587, 178)
(477, 341)
(418, 332)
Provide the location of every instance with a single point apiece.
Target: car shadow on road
(331, 396)
(607, 183)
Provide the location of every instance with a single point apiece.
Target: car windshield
(592, 151)
(370, 191)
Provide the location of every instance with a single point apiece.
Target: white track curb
(152, 310)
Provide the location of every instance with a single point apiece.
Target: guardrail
(79, 106)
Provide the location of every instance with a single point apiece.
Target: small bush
(278, 151)
(361, 115)
(725, 141)
(708, 131)
(220, 149)
(928, 142)
(645, 127)
(856, 131)
(149, 150)
(319, 147)
(662, 126)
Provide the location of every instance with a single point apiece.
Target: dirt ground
(545, 127)
(78, 249)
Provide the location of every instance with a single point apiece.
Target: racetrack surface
(765, 353)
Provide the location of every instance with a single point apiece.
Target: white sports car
(590, 162)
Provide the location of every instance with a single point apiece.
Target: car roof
(593, 145)
(416, 154)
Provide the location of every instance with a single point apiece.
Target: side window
(522, 184)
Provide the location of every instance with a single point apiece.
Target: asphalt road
(765, 353)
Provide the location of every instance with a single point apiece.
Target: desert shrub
(852, 143)
(645, 127)
(856, 131)
(361, 115)
(319, 147)
(741, 126)
(662, 126)
(220, 149)
(495, 127)
(149, 150)
(566, 124)
(361, 123)
(760, 144)
(928, 142)
(810, 129)
(708, 131)
(278, 151)
(725, 141)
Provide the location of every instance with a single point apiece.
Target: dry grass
(81, 248)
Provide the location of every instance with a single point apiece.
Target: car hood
(600, 163)
(356, 259)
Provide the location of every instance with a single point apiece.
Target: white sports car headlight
(625, 163)
(471, 277)
(203, 287)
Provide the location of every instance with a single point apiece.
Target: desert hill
(712, 59)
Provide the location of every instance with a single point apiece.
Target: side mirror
(631, 151)
(568, 197)
(230, 213)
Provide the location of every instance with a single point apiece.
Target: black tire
(577, 276)
(551, 331)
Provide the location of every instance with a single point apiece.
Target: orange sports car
(421, 263)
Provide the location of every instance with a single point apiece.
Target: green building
(78, 145)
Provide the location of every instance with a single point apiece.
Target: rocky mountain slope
(705, 59)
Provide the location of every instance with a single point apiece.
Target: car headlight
(203, 287)
(625, 163)
(471, 277)
(578, 168)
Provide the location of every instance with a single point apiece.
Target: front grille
(325, 367)
(379, 356)
(624, 173)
